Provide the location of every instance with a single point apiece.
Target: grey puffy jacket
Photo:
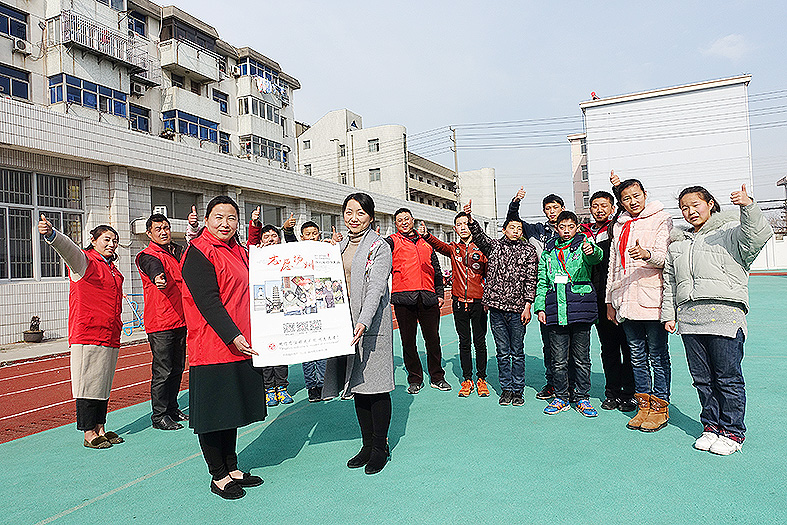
(714, 262)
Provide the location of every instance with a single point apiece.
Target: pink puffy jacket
(636, 291)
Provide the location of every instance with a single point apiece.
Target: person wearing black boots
(369, 373)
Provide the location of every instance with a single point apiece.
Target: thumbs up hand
(422, 229)
(193, 219)
(289, 223)
(638, 252)
(587, 248)
(741, 198)
(44, 226)
(520, 194)
(336, 237)
(255, 215)
(468, 207)
(614, 179)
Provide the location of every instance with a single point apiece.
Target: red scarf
(562, 258)
(624, 240)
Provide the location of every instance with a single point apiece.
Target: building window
(224, 142)
(196, 87)
(584, 172)
(260, 147)
(14, 82)
(583, 146)
(343, 178)
(177, 80)
(222, 99)
(374, 145)
(270, 83)
(13, 22)
(178, 203)
(137, 22)
(268, 214)
(87, 94)
(139, 118)
(243, 106)
(307, 144)
(117, 5)
(374, 174)
(58, 198)
(307, 169)
(187, 124)
(342, 150)
(326, 222)
(586, 199)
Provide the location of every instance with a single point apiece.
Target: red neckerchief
(624, 240)
(562, 258)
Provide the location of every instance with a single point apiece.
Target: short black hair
(508, 221)
(402, 210)
(603, 195)
(156, 217)
(309, 224)
(460, 215)
(627, 184)
(552, 198)
(566, 215)
(221, 199)
(364, 200)
(270, 228)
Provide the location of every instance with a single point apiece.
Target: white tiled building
(110, 108)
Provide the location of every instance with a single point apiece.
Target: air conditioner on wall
(137, 89)
(22, 46)
(235, 71)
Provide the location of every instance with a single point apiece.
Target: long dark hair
(364, 200)
(704, 195)
(224, 199)
(97, 232)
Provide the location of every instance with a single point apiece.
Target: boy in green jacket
(566, 304)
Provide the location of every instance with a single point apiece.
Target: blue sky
(431, 64)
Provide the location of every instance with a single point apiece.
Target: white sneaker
(725, 446)
(705, 441)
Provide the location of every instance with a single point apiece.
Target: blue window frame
(224, 142)
(86, 94)
(13, 22)
(188, 124)
(137, 22)
(14, 82)
(139, 118)
(222, 99)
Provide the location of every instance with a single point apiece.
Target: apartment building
(110, 109)
(580, 175)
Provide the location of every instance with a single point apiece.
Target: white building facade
(111, 108)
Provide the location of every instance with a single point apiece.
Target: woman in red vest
(94, 307)
(225, 391)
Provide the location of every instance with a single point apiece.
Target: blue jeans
(314, 373)
(648, 342)
(715, 366)
(571, 342)
(509, 334)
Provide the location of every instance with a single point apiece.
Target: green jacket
(574, 300)
(714, 262)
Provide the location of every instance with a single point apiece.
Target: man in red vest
(165, 324)
(417, 296)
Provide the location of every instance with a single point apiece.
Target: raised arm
(72, 254)
(754, 231)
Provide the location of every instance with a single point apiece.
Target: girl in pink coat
(634, 292)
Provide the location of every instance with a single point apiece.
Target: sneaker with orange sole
(482, 389)
(467, 388)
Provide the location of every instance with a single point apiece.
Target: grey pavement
(15, 352)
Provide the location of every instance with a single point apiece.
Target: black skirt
(225, 396)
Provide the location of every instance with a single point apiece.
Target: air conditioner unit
(137, 89)
(235, 71)
(160, 209)
(22, 46)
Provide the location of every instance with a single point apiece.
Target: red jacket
(468, 267)
(163, 308)
(412, 264)
(95, 303)
(230, 262)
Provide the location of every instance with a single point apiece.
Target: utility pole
(456, 169)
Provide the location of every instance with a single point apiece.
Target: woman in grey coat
(369, 373)
(706, 299)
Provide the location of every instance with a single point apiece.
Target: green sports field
(453, 460)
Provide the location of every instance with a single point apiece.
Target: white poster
(299, 306)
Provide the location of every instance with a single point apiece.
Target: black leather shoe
(378, 460)
(166, 423)
(248, 480)
(231, 490)
(361, 458)
(609, 403)
(177, 415)
(627, 405)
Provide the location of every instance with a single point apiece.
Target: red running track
(36, 395)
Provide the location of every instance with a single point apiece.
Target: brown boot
(658, 417)
(643, 401)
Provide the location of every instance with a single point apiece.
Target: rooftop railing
(80, 30)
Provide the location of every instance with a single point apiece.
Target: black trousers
(218, 449)
(408, 317)
(275, 376)
(615, 358)
(549, 367)
(374, 417)
(467, 315)
(91, 412)
(169, 359)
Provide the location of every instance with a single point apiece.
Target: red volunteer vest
(163, 308)
(95, 303)
(412, 265)
(205, 347)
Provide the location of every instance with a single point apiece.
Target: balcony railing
(79, 30)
